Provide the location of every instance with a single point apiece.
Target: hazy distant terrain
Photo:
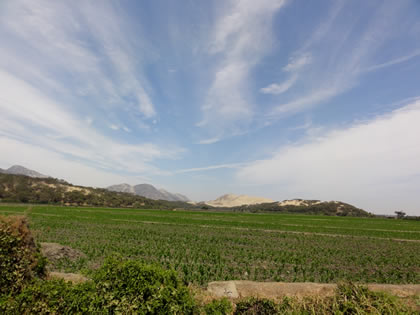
(21, 170)
(47, 190)
(148, 191)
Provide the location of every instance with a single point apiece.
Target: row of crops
(204, 246)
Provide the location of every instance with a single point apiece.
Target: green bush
(218, 307)
(130, 285)
(51, 297)
(358, 299)
(256, 306)
(119, 287)
(20, 259)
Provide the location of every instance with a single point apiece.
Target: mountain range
(45, 189)
(20, 170)
(148, 191)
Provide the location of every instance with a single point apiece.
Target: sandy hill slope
(122, 188)
(300, 202)
(231, 200)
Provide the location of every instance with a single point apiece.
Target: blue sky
(275, 98)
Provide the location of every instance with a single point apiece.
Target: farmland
(210, 246)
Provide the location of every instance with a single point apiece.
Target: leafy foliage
(330, 208)
(20, 260)
(218, 307)
(119, 287)
(256, 306)
(145, 288)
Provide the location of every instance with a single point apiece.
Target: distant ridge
(26, 189)
(21, 170)
(231, 200)
(148, 191)
(335, 208)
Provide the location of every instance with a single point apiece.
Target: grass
(211, 246)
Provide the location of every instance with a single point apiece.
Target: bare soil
(55, 251)
(277, 290)
(72, 277)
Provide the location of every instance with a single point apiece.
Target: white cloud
(394, 61)
(279, 88)
(332, 59)
(53, 164)
(298, 62)
(63, 63)
(29, 116)
(374, 165)
(210, 168)
(310, 99)
(209, 141)
(86, 43)
(240, 39)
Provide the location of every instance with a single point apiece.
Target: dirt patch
(55, 251)
(71, 277)
(276, 290)
(404, 290)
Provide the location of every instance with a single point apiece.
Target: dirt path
(275, 290)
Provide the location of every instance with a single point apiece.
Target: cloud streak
(276, 89)
(393, 61)
(65, 63)
(81, 43)
(332, 60)
(211, 167)
(239, 40)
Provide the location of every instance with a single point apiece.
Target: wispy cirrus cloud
(279, 88)
(44, 122)
(77, 44)
(298, 62)
(66, 62)
(333, 59)
(211, 168)
(394, 61)
(240, 39)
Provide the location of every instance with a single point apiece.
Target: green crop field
(210, 246)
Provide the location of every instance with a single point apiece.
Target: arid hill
(231, 200)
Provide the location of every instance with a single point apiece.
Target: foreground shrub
(349, 299)
(358, 299)
(133, 286)
(20, 259)
(119, 287)
(256, 306)
(51, 297)
(218, 307)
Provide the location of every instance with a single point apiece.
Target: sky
(281, 99)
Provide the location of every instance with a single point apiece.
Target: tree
(400, 214)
